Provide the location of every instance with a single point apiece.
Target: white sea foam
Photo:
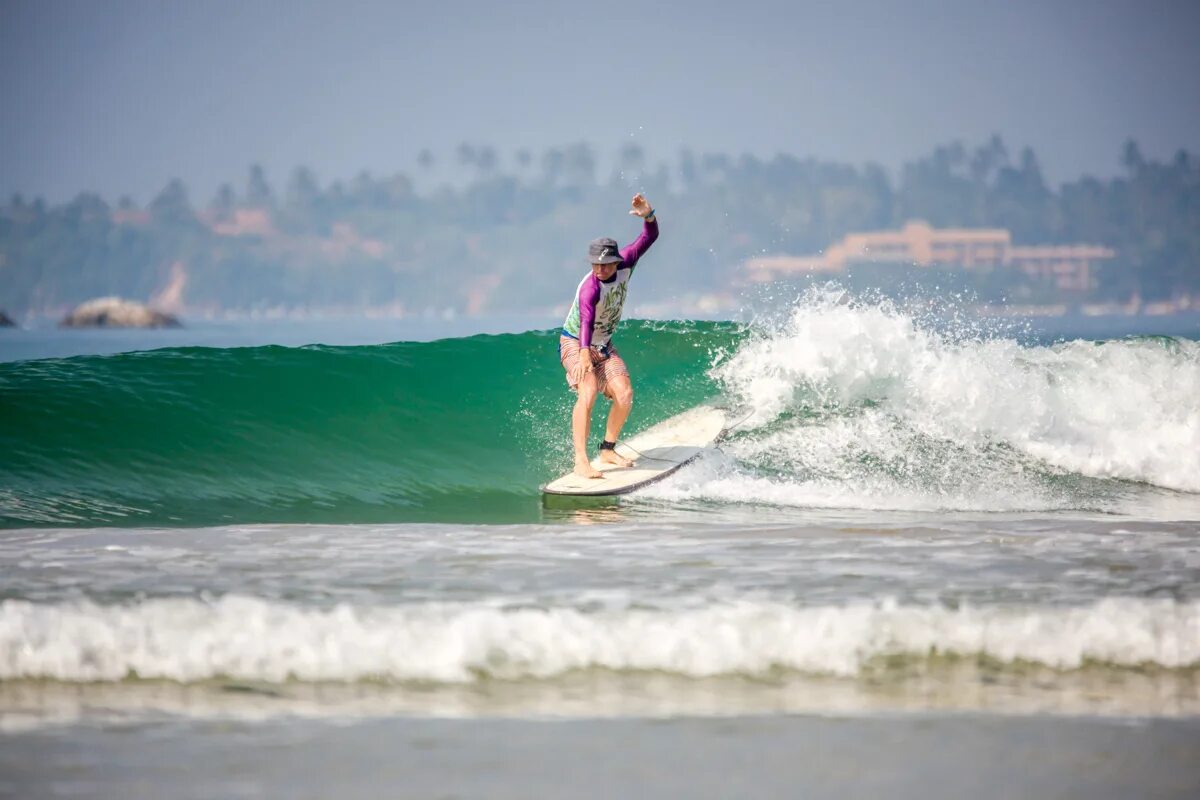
(247, 638)
(888, 407)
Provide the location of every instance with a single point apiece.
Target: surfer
(585, 347)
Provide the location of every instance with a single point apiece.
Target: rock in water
(114, 312)
(6, 321)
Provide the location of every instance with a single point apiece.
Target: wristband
(649, 216)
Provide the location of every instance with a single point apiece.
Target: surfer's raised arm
(640, 207)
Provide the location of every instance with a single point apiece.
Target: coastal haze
(939, 263)
(120, 98)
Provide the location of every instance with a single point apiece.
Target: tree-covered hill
(514, 237)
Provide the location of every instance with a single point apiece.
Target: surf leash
(641, 455)
(729, 428)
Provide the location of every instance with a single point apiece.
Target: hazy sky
(119, 96)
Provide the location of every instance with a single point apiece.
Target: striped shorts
(605, 370)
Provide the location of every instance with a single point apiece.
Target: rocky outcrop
(6, 321)
(114, 312)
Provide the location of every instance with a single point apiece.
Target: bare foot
(584, 469)
(613, 457)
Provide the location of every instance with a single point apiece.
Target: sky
(120, 96)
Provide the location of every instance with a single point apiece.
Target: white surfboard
(656, 452)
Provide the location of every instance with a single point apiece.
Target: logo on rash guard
(613, 303)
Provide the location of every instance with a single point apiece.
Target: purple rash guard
(590, 289)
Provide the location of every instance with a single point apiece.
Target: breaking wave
(839, 404)
(865, 405)
(191, 640)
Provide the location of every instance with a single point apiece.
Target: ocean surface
(920, 529)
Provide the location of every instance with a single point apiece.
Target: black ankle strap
(607, 445)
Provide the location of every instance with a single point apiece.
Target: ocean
(934, 556)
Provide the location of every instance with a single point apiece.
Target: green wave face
(454, 430)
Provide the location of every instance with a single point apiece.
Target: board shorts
(604, 370)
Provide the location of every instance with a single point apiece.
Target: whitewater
(247, 638)
(877, 383)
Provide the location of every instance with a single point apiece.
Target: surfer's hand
(640, 207)
(584, 365)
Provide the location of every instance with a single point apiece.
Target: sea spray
(862, 405)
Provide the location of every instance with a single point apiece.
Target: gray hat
(604, 251)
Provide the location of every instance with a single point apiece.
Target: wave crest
(837, 384)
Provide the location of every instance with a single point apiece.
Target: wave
(866, 405)
(840, 404)
(246, 638)
(453, 430)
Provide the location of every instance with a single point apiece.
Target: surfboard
(657, 452)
